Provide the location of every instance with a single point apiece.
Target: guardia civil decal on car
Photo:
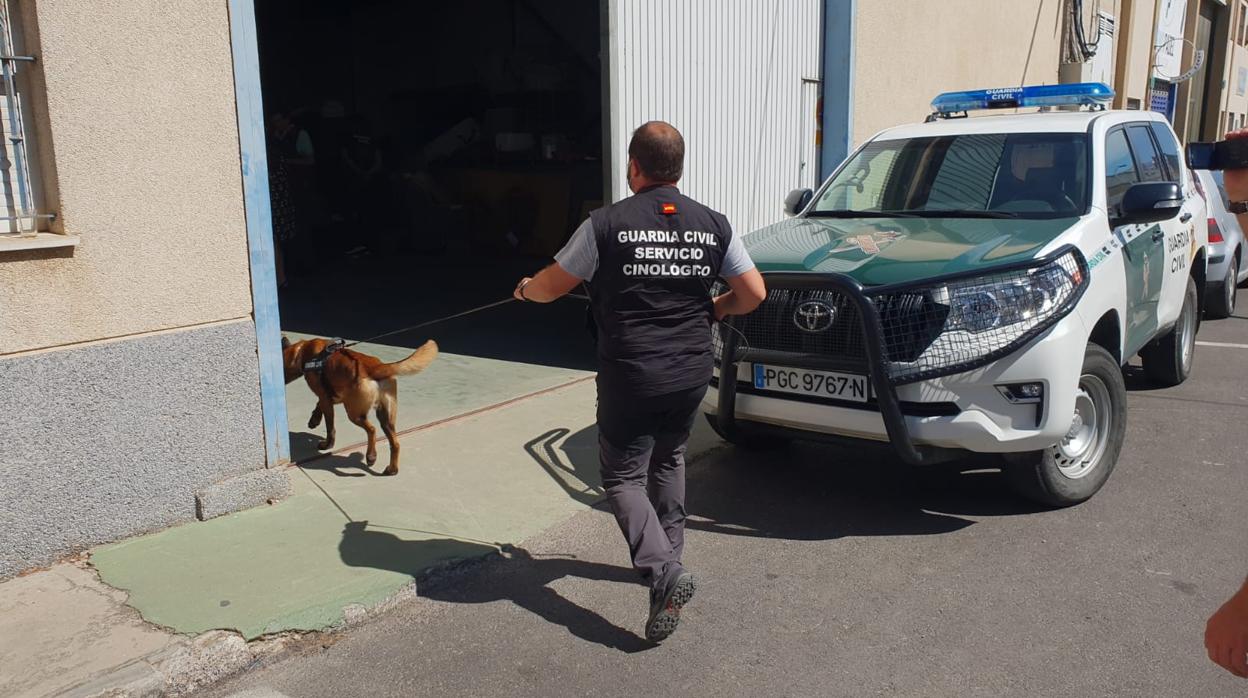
(976, 284)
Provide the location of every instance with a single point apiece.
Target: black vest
(659, 253)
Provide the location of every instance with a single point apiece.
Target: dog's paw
(392, 470)
(324, 445)
(370, 458)
(315, 420)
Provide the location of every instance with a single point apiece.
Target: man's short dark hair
(659, 150)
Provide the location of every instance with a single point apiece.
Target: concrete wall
(140, 108)
(129, 364)
(107, 440)
(907, 51)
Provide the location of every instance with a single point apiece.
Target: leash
(317, 363)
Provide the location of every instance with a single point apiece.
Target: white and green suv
(977, 284)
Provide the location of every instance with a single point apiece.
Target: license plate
(829, 384)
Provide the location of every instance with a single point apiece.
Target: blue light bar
(1068, 95)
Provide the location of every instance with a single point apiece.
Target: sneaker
(665, 608)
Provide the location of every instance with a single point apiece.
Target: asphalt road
(827, 572)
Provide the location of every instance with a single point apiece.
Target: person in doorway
(650, 261)
(1226, 632)
(362, 162)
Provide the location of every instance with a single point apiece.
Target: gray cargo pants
(642, 452)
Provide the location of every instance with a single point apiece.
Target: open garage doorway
(423, 157)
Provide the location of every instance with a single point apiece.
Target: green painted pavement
(503, 476)
(452, 385)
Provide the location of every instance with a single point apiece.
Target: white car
(976, 284)
(1226, 248)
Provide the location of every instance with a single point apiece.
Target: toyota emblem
(814, 316)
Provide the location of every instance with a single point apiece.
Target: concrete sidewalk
(204, 599)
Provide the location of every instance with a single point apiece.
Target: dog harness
(317, 363)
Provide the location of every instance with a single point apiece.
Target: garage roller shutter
(739, 78)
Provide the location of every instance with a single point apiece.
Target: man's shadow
(518, 577)
(576, 471)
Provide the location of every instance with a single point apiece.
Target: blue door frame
(255, 177)
(838, 83)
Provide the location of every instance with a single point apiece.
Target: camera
(1222, 155)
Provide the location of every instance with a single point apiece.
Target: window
(1241, 36)
(1029, 175)
(22, 207)
(1147, 159)
(1120, 171)
(1169, 150)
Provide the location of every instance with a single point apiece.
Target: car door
(1140, 243)
(1156, 153)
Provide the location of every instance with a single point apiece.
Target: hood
(878, 251)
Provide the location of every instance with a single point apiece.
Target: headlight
(966, 323)
(1021, 298)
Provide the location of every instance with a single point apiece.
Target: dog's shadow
(303, 445)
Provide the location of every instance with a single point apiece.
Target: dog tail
(415, 363)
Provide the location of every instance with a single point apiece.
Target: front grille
(911, 322)
(773, 327)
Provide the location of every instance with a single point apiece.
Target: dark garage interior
(423, 157)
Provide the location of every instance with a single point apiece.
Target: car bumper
(1219, 261)
(985, 421)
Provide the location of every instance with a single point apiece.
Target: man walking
(650, 261)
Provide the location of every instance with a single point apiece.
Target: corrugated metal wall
(737, 77)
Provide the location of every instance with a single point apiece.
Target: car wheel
(1222, 302)
(750, 442)
(1168, 360)
(1073, 469)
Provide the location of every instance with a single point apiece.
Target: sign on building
(1168, 44)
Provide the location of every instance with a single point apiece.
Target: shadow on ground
(576, 470)
(799, 492)
(519, 577)
(809, 491)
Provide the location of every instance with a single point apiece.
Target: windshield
(992, 175)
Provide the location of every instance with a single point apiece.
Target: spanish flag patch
(667, 209)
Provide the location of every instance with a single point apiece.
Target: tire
(1221, 303)
(749, 442)
(1168, 360)
(1074, 469)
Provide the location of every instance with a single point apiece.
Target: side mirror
(796, 201)
(1149, 202)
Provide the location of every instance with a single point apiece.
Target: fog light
(1022, 392)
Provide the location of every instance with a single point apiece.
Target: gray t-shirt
(580, 256)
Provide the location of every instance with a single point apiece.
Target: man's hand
(1226, 633)
(746, 292)
(546, 285)
(1236, 181)
(516, 293)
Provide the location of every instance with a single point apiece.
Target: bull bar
(883, 386)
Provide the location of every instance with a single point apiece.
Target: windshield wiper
(962, 213)
(849, 213)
